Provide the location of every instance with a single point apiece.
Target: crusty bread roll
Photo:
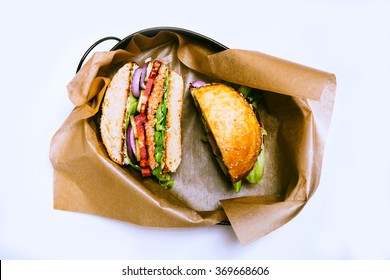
(234, 126)
(147, 137)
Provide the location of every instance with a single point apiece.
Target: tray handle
(92, 47)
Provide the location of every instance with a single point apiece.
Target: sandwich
(140, 120)
(233, 129)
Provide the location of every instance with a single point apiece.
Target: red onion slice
(130, 142)
(139, 123)
(143, 75)
(135, 82)
(196, 84)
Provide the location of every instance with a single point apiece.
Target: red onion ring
(135, 82)
(143, 75)
(196, 84)
(130, 142)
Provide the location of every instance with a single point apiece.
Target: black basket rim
(150, 32)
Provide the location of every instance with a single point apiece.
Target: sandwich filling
(150, 125)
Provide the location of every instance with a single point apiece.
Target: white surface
(348, 217)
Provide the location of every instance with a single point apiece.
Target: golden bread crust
(234, 126)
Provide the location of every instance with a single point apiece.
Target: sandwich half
(140, 123)
(234, 130)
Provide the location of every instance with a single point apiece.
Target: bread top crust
(234, 125)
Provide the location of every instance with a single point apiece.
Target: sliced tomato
(149, 84)
(140, 125)
(145, 171)
(140, 120)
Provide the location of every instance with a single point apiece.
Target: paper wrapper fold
(296, 113)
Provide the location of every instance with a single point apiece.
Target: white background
(347, 218)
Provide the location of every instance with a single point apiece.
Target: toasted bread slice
(172, 141)
(113, 119)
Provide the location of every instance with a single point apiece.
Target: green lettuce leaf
(159, 134)
(131, 108)
(237, 186)
(256, 175)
